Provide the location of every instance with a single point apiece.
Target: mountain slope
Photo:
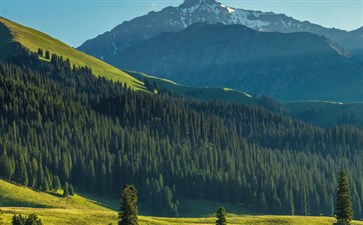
(327, 113)
(33, 39)
(108, 45)
(287, 67)
(196, 92)
(98, 135)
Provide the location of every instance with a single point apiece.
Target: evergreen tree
(18, 220)
(343, 210)
(128, 210)
(33, 220)
(66, 190)
(71, 190)
(47, 54)
(56, 183)
(221, 216)
(40, 51)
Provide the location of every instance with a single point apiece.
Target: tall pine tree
(128, 210)
(221, 216)
(343, 209)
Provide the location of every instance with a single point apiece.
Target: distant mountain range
(286, 66)
(108, 45)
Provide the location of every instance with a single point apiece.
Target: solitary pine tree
(128, 210)
(343, 209)
(221, 216)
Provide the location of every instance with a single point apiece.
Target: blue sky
(74, 21)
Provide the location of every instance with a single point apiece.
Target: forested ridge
(59, 124)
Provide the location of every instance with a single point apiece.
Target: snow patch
(192, 9)
(283, 23)
(336, 49)
(230, 10)
(257, 14)
(240, 16)
(182, 18)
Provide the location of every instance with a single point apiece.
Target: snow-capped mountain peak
(173, 19)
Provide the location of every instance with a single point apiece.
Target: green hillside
(197, 92)
(33, 39)
(53, 209)
(17, 196)
(323, 113)
(327, 113)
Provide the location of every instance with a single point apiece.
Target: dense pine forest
(60, 124)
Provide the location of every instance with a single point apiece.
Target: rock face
(286, 66)
(108, 45)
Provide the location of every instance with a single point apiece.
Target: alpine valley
(197, 106)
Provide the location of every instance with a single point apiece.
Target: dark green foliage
(32, 219)
(66, 190)
(18, 220)
(56, 183)
(40, 52)
(128, 211)
(71, 190)
(47, 55)
(58, 122)
(343, 210)
(221, 216)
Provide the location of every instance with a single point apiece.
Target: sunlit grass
(53, 209)
(33, 39)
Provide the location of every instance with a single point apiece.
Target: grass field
(83, 217)
(33, 39)
(53, 209)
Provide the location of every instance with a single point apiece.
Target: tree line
(60, 124)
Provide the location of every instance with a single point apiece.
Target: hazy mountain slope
(295, 66)
(108, 45)
(197, 92)
(327, 113)
(33, 39)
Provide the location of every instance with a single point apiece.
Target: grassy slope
(327, 112)
(56, 210)
(200, 93)
(33, 39)
(18, 196)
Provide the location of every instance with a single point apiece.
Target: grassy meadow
(53, 209)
